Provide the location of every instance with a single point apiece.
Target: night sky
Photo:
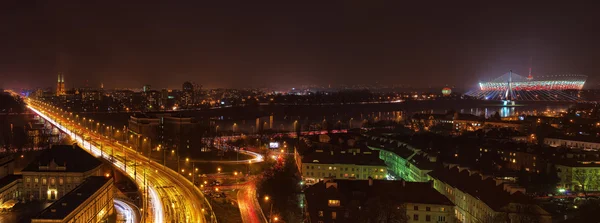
(280, 44)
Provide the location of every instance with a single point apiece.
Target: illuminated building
(403, 160)
(579, 175)
(60, 85)
(511, 86)
(585, 143)
(57, 171)
(91, 201)
(483, 198)
(352, 164)
(446, 91)
(187, 97)
(10, 184)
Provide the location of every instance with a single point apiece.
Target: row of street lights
(82, 136)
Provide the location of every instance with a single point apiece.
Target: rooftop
(63, 158)
(68, 203)
(581, 138)
(9, 179)
(360, 191)
(475, 185)
(415, 156)
(364, 157)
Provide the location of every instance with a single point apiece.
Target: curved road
(126, 211)
(171, 197)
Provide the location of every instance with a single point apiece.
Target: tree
(583, 178)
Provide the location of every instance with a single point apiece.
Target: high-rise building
(60, 85)
(187, 96)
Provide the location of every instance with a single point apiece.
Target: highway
(170, 196)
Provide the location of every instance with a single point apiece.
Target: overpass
(169, 196)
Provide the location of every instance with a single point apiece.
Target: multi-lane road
(169, 196)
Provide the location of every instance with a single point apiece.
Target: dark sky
(227, 44)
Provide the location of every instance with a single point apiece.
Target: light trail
(183, 202)
(126, 210)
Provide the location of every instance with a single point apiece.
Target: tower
(60, 85)
(530, 64)
(509, 95)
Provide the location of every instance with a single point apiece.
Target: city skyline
(281, 112)
(253, 45)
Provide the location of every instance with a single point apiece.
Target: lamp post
(267, 198)
(194, 173)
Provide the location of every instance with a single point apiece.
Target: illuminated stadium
(514, 87)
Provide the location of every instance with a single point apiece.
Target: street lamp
(267, 198)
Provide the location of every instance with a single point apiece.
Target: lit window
(320, 213)
(334, 203)
(333, 215)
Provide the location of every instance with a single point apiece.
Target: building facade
(403, 160)
(579, 175)
(57, 171)
(180, 133)
(480, 198)
(320, 165)
(360, 200)
(92, 201)
(572, 143)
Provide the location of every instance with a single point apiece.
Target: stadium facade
(514, 87)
